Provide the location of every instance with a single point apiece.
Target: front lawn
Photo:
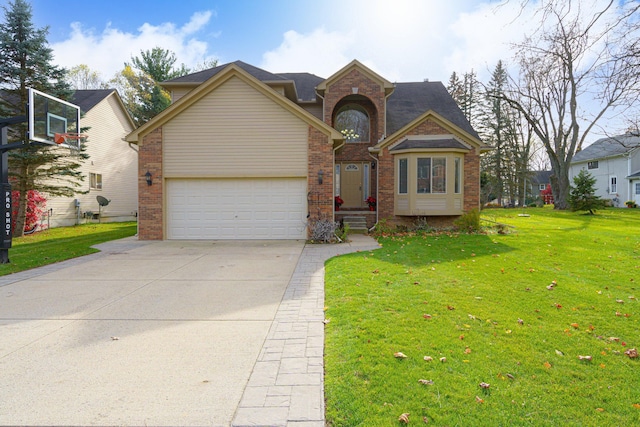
(62, 243)
(542, 316)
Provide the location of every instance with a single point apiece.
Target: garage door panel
(272, 208)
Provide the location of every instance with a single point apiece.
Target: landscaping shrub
(470, 221)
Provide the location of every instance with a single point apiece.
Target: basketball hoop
(61, 138)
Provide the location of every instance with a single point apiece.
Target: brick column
(150, 212)
(471, 181)
(320, 158)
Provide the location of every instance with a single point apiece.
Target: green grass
(474, 289)
(59, 244)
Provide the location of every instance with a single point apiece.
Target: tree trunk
(560, 186)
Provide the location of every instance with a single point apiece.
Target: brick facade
(150, 212)
(320, 158)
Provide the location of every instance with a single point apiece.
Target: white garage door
(274, 208)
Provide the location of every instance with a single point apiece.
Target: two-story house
(243, 153)
(615, 164)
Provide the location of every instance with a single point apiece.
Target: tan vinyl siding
(176, 94)
(235, 131)
(109, 156)
(314, 109)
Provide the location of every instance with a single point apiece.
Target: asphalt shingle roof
(88, 98)
(410, 100)
(429, 143)
(305, 84)
(203, 75)
(608, 147)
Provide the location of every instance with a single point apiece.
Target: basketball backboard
(48, 116)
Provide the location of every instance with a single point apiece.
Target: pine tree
(27, 62)
(582, 196)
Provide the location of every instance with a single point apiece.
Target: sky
(403, 40)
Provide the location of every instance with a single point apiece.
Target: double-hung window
(95, 181)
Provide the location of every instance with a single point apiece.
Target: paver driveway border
(286, 387)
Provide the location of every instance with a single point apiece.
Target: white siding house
(615, 163)
(110, 171)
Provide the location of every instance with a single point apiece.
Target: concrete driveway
(162, 333)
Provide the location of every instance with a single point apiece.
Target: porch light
(148, 178)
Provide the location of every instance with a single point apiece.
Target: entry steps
(357, 224)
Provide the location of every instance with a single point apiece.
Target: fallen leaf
(399, 355)
(619, 301)
(632, 353)
(511, 377)
(467, 350)
(636, 405)
(479, 400)
(547, 365)
(426, 382)
(602, 366)
(450, 307)
(461, 337)
(325, 321)
(559, 353)
(632, 297)
(428, 358)
(587, 358)
(404, 418)
(443, 359)
(553, 282)
(426, 316)
(425, 420)
(550, 287)
(558, 306)
(575, 325)
(376, 271)
(520, 322)
(484, 385)
(600, 409)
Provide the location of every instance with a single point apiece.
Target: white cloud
(107, 51)
(408, 41)
(319, 52)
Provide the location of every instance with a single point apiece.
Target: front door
(351, 185)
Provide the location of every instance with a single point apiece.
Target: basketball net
(63, 138)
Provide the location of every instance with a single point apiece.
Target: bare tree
(576, 67)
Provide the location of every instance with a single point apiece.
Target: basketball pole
(5, 187)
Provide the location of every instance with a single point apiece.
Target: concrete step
(357, 224)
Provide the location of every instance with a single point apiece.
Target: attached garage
(268, 208)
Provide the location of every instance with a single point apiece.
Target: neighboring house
(111, 169)
(243, 153)
(541, 181)
(615, 164)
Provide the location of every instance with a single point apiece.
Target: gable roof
(222, 75)
(608, 147)
(202, 76)
(355, 64)
(541, 177)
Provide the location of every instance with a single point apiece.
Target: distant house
(110, 171)
(615, 163)
(243, 153)
(540, 181)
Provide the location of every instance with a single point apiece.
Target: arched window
(353, 122)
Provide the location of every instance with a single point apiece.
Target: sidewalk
(286, 387)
